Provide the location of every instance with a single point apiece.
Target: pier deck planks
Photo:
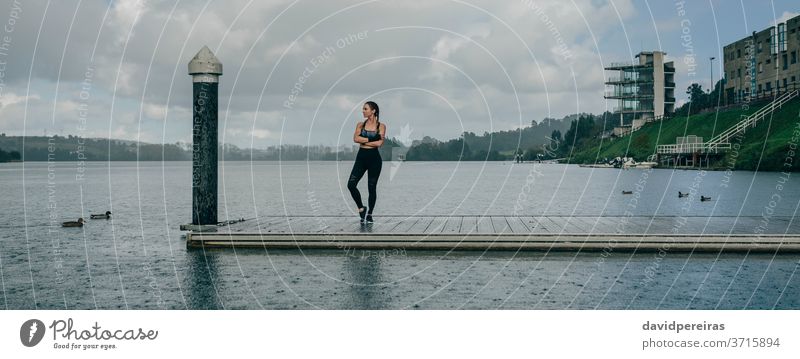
(779, 234)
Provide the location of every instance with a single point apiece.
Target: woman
(369, 135)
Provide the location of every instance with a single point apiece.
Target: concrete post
(205, 70)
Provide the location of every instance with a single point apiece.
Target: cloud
(261, 134)
(301, 46)
(785, 16)
(124, 17)
(154, 111)
(12, 99)
(480, 57)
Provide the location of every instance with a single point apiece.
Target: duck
(106, 215)
(681, 195)
(704, 198)
(78, 223)
(627, 192)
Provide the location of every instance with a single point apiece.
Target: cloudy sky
(437, 68)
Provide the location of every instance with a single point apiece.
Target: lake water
(139, 260)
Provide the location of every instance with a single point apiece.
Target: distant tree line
(73, 148)
(528, 141)
(548, 139)
(9, 156)
(231, 152)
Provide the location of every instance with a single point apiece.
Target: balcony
(632, 109)
(627, 80)
(627, 65)
(627, 95)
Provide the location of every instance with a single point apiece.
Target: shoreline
(682, 168)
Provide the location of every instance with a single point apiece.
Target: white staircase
(750, 122)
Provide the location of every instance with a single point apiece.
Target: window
(794, 57)
(793, 79)
(785, 82)
(738, 53)
(785, 62)
(760, 67)
(739, 70)
(769, 61)
(759, 87)
(769, 86)
(773, 41)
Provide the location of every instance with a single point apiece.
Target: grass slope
(764, 147)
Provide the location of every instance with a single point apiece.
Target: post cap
(205, 63)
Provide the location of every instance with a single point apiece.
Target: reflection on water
(366, 287)
(199, 282)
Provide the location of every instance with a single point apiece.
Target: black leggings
(366, 160)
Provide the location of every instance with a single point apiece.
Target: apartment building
(763, 64)
(644, 89)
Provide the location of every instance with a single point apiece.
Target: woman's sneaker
(369, 218)
(363, 214)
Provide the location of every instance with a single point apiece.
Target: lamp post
(711, 59)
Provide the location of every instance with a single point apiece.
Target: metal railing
(752, 120)
(632, 109)
(629, 129)
(733, 98)
(623, 64)
(692, 148)
(631, 64)
(632, 94)
(640, 80)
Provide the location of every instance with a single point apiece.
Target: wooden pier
(499, 232)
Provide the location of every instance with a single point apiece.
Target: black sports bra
(370, 135)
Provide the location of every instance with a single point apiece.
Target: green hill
(764, 147)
